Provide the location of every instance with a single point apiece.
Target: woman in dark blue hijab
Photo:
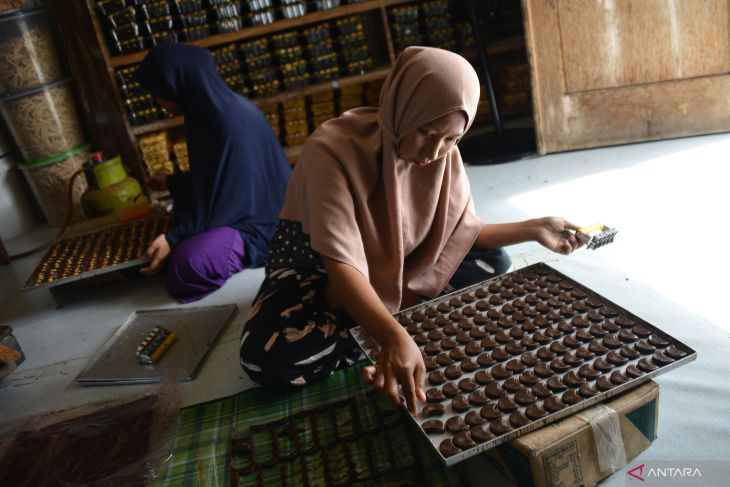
(238, 175)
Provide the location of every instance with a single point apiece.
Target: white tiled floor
(668, 265)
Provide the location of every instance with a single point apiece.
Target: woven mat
(203, 440)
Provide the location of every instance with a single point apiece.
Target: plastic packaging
(606, 427)
(155, 10)
(28, 56)
(43, 121)
(49, 178)
(125, 442)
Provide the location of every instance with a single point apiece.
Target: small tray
(197, 330)
(499, 329)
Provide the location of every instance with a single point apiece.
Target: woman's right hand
(157, 252)
(400, 362)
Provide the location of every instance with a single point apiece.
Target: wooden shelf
(83, 35)
(377, 74)
(158, 125)
(279, 25)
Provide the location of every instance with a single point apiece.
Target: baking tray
(558, 286)
(197, 330)
(96, 253)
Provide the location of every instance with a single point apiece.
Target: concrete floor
(667, 265)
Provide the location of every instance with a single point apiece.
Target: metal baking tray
(541, 270)
(197, 330)
(84, 256)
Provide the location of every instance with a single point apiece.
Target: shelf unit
(278, 26)
(94, 69)
(379, 73)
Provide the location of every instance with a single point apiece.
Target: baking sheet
(541, 270)
(197, 330)
(96, 253)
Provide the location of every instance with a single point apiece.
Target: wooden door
(608, 72)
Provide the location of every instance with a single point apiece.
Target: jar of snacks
(49, 179)
(28, 56)
(43, 120)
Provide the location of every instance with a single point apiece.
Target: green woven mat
(203, 440)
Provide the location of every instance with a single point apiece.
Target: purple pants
(203, 263)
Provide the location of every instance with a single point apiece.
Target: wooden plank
(651, 111)
(543, 50)
(686, 40)
(379, 73)
(159, 125)
(278, 26)
(614, 73)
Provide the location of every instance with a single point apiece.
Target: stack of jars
(321, 108)
(227, 16)
(404, 27)
(271, 112)
(260, 12)
(353, 45)
(132, 28)
(38, 107)
(322, 53)
(351, 97)
(437, 24)
(260, 67)
(155, 148)
(290, 59)
(296, 129)
(290, 9)
(191, 20)
(141, 107)
(230, 68)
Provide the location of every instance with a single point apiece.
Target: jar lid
(55, 158)
(13, 95)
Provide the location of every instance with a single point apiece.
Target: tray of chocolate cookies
(96, 253)
(516, 352)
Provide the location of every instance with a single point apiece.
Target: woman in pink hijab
(378, 216)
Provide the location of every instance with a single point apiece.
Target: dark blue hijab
(238, 170)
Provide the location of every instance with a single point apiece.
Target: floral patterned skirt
(292, 338)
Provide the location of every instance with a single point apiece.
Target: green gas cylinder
(110, 188)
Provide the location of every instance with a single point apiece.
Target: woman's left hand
(158, 251)
(557, 234)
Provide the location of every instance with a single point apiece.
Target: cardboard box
(565, 453)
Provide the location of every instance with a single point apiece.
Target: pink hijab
(406, 228)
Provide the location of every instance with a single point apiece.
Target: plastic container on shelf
(16, 212)
(43, 121)
(28, 55)
(49, 179)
